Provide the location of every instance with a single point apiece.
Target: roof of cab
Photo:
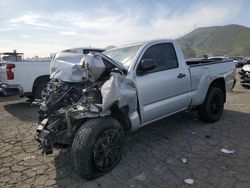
(143, 43)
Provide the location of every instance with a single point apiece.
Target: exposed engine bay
(82, 86)
(245, 75)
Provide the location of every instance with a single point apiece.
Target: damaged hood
(67, 67)
(78, 67)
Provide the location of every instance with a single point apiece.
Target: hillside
(229, 40)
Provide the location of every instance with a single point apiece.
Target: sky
(41, 27)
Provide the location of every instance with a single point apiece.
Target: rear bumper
(9, 90)
(48, 139)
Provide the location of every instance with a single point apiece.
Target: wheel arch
(39, 80)
(122, 115)
(220, 83)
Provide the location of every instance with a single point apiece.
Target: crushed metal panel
(76, 67)
(67, 67)
(95, 66)
(118, 89)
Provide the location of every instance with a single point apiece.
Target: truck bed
(202, 72)
(204, 62)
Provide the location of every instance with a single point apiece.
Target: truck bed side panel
(203, 75)
(25, 74)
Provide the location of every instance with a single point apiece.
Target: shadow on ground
(23, 110)
(152, 155)
(9, 98)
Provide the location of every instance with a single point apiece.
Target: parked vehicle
(28, 78)
(245, 75)
(83, 50)
(24, 78)
(93, 99)
(239, 61)
(217, 58)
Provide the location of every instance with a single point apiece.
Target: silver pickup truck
(93, 99)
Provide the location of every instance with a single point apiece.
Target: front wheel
(212, 108)
(97, 147)
(245, 86)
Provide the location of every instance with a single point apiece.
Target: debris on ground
(207, 136)
(184, 161)
(227, 151)
(141, 177)
(189, 181)
(30, 157)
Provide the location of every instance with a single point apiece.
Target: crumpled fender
(120, 90)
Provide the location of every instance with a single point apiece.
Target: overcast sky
(40, 27)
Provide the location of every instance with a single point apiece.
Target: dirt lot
(152, 155)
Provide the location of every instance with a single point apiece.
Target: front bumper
(48, 135)
(9, 90)
(245, 80)
(43, 137)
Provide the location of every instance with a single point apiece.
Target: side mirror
(147, 65)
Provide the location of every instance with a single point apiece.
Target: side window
(164, 56)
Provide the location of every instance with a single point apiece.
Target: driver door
(165, 89)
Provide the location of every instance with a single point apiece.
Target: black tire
(89, 139)
(30, 98)
(246, 87)
(212, 108)
(39, 88)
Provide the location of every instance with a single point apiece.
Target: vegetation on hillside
(229, 40)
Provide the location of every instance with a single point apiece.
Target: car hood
(78, 67)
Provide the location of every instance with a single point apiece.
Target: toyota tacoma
(93, 99)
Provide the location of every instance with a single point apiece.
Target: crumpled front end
(245, 75)
(120, 90)
(81, 87)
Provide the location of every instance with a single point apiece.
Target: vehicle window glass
(164, 56)
(123, 55)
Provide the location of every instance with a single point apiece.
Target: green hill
(229, 40)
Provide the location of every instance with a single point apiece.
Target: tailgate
(3, 76)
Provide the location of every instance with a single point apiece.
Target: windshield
(123, 55)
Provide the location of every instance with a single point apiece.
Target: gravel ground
(152, 155)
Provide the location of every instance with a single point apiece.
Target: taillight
(10, 74)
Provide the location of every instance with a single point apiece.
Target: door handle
(181, 75)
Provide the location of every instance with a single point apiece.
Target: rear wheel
(212, 108)
(97, 147)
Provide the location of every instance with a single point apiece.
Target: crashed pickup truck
(93, 99)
